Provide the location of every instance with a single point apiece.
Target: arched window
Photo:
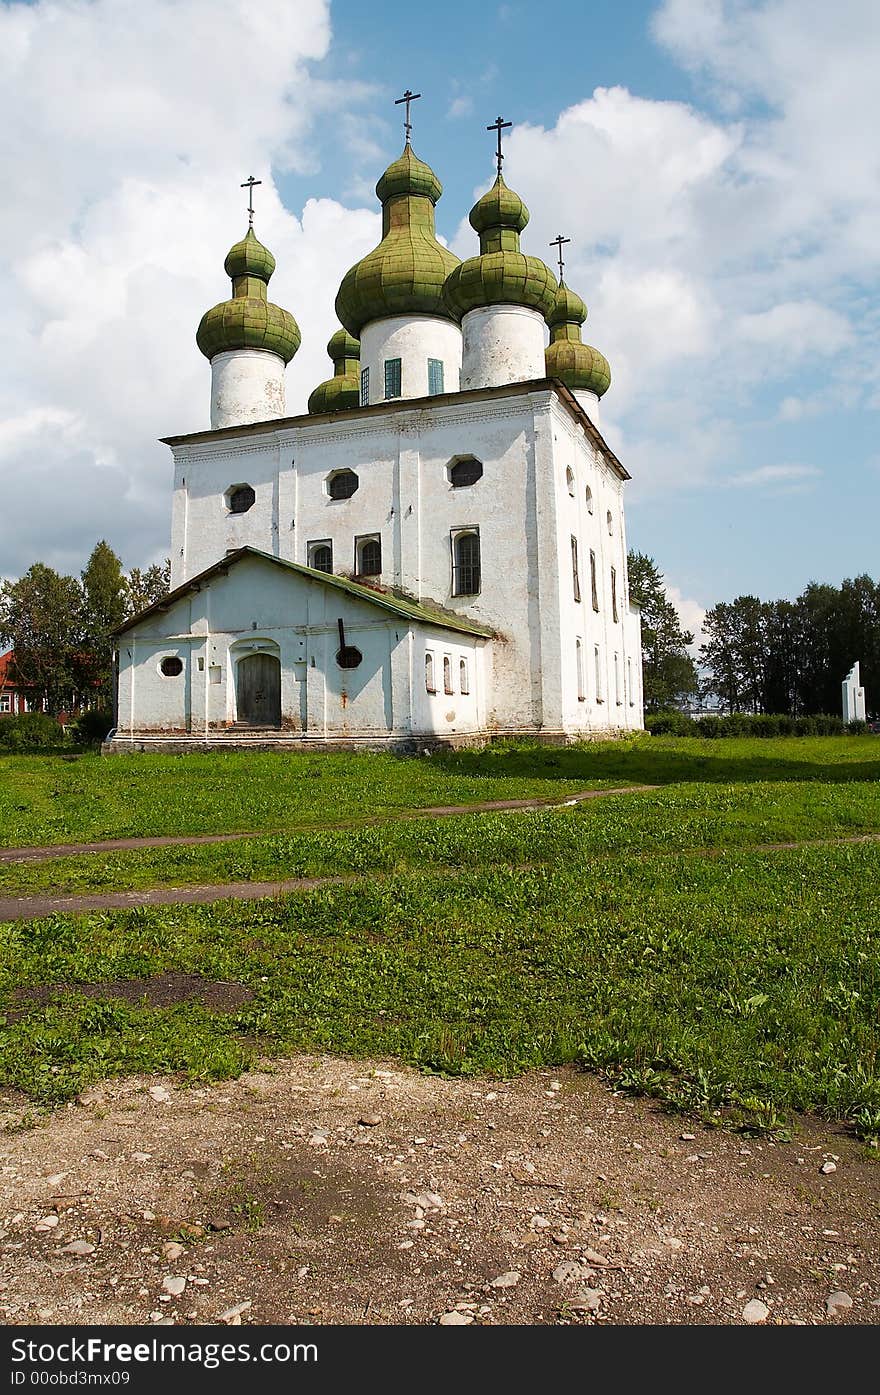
(447, 674)
(575, 573)
(598, 663)
(240, 498)
(369, 557)
(589, 499)
(466, 564)
(342, 484)
(321, 556)
(463, 679)
(464, 471)
(569, 481)
(430, 686)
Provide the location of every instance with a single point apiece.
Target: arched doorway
(258, 690)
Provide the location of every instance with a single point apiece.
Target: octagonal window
(465, 470)
(240, 498)
(342, 484)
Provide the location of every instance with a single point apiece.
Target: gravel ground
(326, 1191)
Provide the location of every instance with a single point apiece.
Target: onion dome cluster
(249, 320)
(578, 365)
(502, 274)
(341, 391)
(405, 274)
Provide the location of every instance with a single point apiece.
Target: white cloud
(460, 106)
(129, 127)
(691, 614)
(776, 476)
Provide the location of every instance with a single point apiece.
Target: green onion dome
(405, 273)
(343, 390)
(249, 320)
(578, 365)
(501, 274)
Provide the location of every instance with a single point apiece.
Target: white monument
(853, 696)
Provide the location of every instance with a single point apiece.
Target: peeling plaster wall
(246, 385)
(502, 344)
(413, 339)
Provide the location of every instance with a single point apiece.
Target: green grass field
(644, 935)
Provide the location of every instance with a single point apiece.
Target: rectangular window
(6, 702)
(614, 595)
(466, 570)
(629, 682)
(320, 555)
(618, 695)
(368, 556)
(435, 376)
(598, 663)
(594, 589)
(447, 674)
(579, 660)
(392, 377)
(575, 578)
(365, 387)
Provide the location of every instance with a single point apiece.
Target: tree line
(61, 627)
(783, 657)
(792, 656)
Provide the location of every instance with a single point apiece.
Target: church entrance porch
(258, 691)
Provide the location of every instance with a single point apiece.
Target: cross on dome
(499, 125)
(559, 242)
(408, 97)
(250, 184)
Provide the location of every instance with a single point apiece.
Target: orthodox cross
(249, 184)
(559, 242)
(499, 126)
(407, 97)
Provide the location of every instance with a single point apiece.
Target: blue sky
(713, 161)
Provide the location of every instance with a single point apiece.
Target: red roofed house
(14, 694)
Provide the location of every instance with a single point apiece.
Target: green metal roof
(405, 273)
(397, 605)
(249, 320)
(343, 391)
(502, 274)
(566, 357)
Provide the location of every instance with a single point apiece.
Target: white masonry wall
(246, 385)
(413, 339)
(526, 442)
(502, 344)
(258, 607)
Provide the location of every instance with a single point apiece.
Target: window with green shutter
(435, 376)
(392, 377)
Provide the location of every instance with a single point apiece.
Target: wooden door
(258, 690)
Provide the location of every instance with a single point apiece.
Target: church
(435, 553)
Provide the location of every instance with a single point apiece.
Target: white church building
(435, 554)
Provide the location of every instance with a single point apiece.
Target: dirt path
(35, 907)
(438, 811)
(328, 1191)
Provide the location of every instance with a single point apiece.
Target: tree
(41, 619)
(144, 588)
(734, 653)
(668, 670)
(104, 607)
